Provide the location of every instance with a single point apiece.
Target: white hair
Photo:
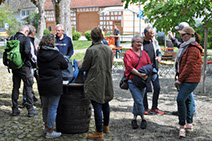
(60, 26)
(24, 28)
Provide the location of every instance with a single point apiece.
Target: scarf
(181, 51)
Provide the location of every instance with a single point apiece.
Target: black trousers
(24, 73)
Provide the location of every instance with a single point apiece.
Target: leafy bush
(73, 29)
(160, 40)
(76, 35)
(46, 31)
(88, 35)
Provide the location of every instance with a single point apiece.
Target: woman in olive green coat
(98, 85)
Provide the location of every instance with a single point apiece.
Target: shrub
(46, 31)
(88, 35)
(73, 29)
(76, 35)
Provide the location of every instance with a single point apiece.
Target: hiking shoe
(96, 135)
(32, 113)
(175, 113)
(106, 129)
(156, 111)
(35, 99)
(15, 112)
(146, 112)
(143, 124)
(134, 124)
(54, 134)
(45, 130)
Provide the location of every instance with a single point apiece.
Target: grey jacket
(97, 64)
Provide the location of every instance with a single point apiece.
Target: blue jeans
(156, 87)
(118, 50)
(49, 109)
(98, 108)
(185, 103)
(137, 95)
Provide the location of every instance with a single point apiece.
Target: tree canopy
(169, 13)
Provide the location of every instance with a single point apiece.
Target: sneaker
(146, 112)
(54, 134)
(32, 113)
(143, 124)
(182, 132)
(134, 124)
(156, 111)
(15, 112)
(189, 127)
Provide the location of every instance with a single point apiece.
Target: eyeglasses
(183, 34)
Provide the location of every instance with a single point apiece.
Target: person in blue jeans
(116, 32)
(134, 59)
(177, 44)
(188, 69)
(98, 85)
(50, 83)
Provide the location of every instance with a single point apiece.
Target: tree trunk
(65, 14)
(205, 59)
(42, 23)
(56, 4)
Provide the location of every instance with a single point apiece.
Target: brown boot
(96, 135)
(106, 129)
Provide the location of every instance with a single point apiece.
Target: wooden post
(205, 59)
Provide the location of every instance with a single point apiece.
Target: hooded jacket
(50, 63)
(190, 64)
(65, 45)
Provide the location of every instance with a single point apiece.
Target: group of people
(188, 62)
(98, 86)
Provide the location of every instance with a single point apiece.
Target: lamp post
(139, 19)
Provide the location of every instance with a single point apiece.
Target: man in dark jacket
(63, 42)
(150, 45)
(32, 32)
(24, 73)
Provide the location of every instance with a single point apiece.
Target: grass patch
(78, 56)
(81, 44)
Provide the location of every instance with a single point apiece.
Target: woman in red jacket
(188, 69)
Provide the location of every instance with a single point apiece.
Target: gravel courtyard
(160, 127)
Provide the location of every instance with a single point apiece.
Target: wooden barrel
(74, 110)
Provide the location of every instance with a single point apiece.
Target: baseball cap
(181, 25)
(188, 30)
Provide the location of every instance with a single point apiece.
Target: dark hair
(48, 40)
(96, 34)
(197, 37)
(104, 29)
(31, 29)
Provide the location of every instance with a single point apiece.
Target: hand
(177, 83)
(171, 35)
(143, 76)
(158, 59)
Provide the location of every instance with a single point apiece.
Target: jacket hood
(197, 45)
(64, 37)
(46, 54)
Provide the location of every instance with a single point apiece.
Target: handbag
(124, 81)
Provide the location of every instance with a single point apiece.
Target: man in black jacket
(32, 32)
(24, 73)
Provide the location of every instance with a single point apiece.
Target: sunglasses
(183, 34)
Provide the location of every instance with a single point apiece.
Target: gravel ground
(160, 127)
